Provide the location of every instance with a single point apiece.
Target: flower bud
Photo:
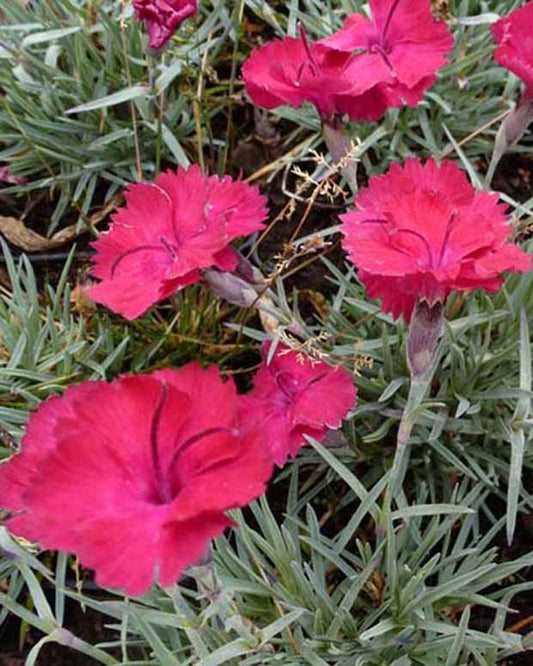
(230, 287)
(425, 331)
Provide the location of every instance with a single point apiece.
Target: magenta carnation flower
(361, 70)
(292, 71)
(403, 36)
(170, 231)
(135, 476)
(163, 17)
(295, 396)
(514, 36)
(422, 231)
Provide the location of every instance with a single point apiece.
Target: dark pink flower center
(382, 51)
(381, 44)
(290, 387)
(168, 484)
(432, 261)
(419, 236)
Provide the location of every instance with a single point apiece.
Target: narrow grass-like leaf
(226, 653)
(280, 625)
(429, 510)
(163, 654)
(517, 436)
(458, 642)
(125, 95)
(351, 480)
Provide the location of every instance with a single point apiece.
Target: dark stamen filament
(377, 48)
(447, 233)
(312, 60)
(161, 484)
(418, 235)
(168, 247)
(300, 72)
(286, 389)
(127, 253)
(316, 379)
(388, 20)
(196, 438)
(163, 481)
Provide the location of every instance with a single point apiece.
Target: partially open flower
(402, 36)
(361, 70)
(292, 71)
(422, 231)
(295, 396)
(135, 475)
(170, 231)
(514, 36)
(163, 17)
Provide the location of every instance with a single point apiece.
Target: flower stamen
(134, 250)
(446, 238)
(315, 67)
(194, 439)
(160, 481)
(316, 379)
(412, 232)
(168, 247)
(378, 48)
(388, 20)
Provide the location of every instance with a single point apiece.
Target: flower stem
(237, 22)
(156, 105)
(425, 332)
(122, 25)
(160, 122)
(417, 393)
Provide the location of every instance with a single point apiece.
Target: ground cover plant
(265, 348)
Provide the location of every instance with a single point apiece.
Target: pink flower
(403, 36)
(420, 232)
(514, 36)
(292, 71)
(135, 475)
(294, 396)
(170, 231)
(163, 17)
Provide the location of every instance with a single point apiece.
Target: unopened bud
(245, 269)
(517, 122)
(425, 331)
(230, 287)
(511, 131)
(244, 287)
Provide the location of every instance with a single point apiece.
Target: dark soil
(514, 176)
